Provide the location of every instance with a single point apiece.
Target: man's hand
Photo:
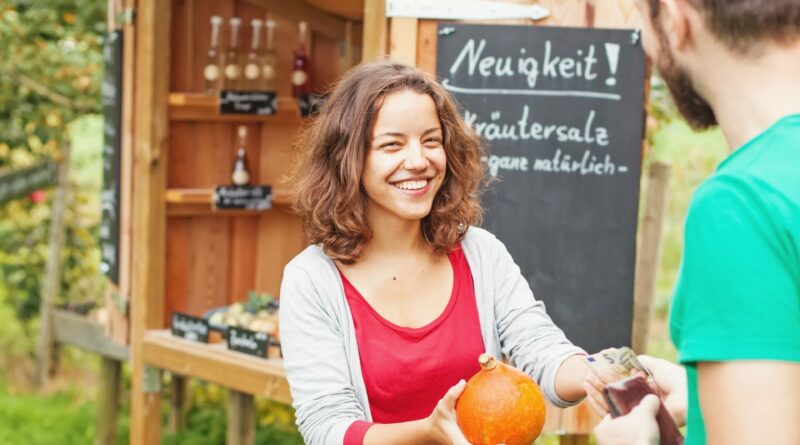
(670, 383)
(638, 427)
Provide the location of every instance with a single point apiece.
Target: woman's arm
(571, 377)
(750, 401)
(528, 336)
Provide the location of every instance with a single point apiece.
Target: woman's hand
(442, 421)
(670, 382)
(638, 427)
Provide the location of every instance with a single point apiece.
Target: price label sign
(260, 103)
(190, 327)
(243, 197)
(248, 342)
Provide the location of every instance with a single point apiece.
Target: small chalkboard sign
(310, 104)
(112, 149)
(23, 181)
(261, 103)
(189, 327)
(248, 342)
(243, 197)
(561, 110)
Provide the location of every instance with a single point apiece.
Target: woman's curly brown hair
(328, 194)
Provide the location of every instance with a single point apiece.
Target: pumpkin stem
(487, 361)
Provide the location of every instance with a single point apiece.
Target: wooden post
(108, 394)
(52, 278)
(375, 30)
(404, 40)
(178, 404)
(241, 419)
(649, 253)
(149, 217)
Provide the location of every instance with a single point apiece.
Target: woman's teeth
(412, 185)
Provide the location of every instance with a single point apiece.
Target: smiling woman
(385, 315)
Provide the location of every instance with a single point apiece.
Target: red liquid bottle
(301, 84)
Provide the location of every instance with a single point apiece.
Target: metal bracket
(127, 16)
(463, 10)
(151, 379)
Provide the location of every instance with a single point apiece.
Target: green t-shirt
(738, 292)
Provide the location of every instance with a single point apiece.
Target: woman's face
(405, 164)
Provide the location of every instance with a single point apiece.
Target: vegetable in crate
(500, 404)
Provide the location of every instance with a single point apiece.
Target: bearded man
(735, 316)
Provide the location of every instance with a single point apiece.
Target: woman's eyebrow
(389, 133)
(430, 130)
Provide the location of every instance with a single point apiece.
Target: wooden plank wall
(214, 260)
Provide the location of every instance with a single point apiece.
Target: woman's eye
(392, 144)
(433, 141)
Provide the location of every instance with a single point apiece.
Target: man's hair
(328, 194)
(741, 24)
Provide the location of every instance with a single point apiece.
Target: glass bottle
(240, 174)
(269, 69)
(253, 80)
(211, 72)
(233, 63)
(300, 74)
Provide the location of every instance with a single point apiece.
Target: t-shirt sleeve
(356, 432)
(738, 294)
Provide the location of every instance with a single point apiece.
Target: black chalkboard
(243, 197)
(247, 341)
(261, 103)
(190, 327)
(23, 181)
(562, 112)
(112, 142)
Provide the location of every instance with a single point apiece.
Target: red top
(407, 370)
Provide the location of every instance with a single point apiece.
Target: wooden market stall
(184, 256)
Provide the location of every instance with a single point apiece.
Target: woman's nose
(415, 157)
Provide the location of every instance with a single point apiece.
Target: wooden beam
(149, 218)
(108, 396)
(241, 419)
(179, 403)
(317, 19)
(649, 253)
(404, 40)
(77, 330)
(375, 30)
(427, 39)
(52, 275)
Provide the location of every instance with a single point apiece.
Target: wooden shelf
(201, 107)
(197, 202)
(216, 364)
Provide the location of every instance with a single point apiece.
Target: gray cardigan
(321, 353)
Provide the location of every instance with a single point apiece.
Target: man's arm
(750, 401)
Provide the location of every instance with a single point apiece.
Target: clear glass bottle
(211, 72)
(269, 68)
(253, 80)
(301, 85)
(233, 62)
(241, 174)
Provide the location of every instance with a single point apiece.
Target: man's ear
(674, 16)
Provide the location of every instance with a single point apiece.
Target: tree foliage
(51, 69)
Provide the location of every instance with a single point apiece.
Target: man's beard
(691, 105)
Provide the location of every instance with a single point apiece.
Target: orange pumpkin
(500, 405)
